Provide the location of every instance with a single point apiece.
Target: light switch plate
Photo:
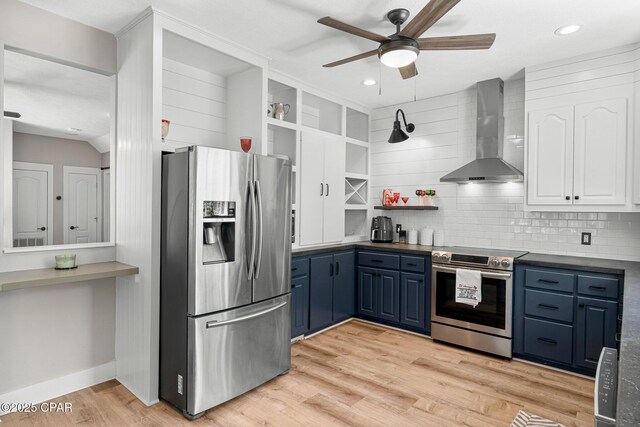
(586, 238)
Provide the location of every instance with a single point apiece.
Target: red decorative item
(396, 199)
(245, 143)
(405, 200)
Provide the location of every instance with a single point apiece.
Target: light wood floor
(363, 375)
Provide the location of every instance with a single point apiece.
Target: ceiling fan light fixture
(398, 53)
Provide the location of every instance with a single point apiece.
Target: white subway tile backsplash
(484, 215)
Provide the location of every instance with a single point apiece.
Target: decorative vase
(245, 143)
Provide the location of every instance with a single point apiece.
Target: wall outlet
(586, 238)
(398, 228)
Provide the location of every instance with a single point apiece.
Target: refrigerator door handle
(215, 323)
(252, 204)
(260, 223)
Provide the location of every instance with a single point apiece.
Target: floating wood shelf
(407, 208)
(49, 276)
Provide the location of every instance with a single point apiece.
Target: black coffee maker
(381, 229)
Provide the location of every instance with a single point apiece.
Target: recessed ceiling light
(567, 29)
(73, 131)
(369, 82)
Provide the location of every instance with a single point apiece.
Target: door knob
(73, 227)
(41, 228)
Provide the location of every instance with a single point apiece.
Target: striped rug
(525, 419)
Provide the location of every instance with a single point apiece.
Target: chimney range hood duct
(488, 166)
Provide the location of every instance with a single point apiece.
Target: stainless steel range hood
(488, 166)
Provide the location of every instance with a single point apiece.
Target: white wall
(481, 215)
(70, 327)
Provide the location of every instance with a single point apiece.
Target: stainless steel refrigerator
(225, 275)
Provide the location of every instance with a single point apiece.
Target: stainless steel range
(487, 326)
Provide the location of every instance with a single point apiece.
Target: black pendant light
(397, 134)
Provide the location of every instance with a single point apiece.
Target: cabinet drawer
(379, 260)
(551, 280)
(548, 340)
(299, 267)
(606, 287)
(412, 263)
(549, 305)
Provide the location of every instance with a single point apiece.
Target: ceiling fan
(401, 49)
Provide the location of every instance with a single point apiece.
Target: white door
(600, 153)
(82, 208)
(32, 204)
(334, 167)
(106, 205)
(312, 188)
(550, 157)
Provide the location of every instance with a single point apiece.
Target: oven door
(492, 315)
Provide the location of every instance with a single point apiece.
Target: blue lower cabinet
(344, 286)
(299, 306)
(554, 324)
(367, 291)
(413, 300)
(320, 291)
(389, 295)
(596, 327)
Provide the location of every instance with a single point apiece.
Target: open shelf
(406, 208)
(279, 92)
(357, 125)
(355, 223)
(322, 114)
(356, 160)
(281, 141)
(49, 276)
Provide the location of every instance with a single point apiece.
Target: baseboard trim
(50, 389)
(135, 393)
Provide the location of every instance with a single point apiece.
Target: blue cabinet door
(413, 300)
(388, 295)
(595, 328)
(344, 286)
(299, 306)
(367, 292)
(320, 291)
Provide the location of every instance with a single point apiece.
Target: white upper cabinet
(550, 171)
(582, 154)
(600, 147)
(577, 154)
(322, 162)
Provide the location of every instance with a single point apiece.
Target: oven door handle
(483, 273)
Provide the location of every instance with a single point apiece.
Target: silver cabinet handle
(252, 204)
(259, 203)
(215, 323)
(484, 274)
(321, 189)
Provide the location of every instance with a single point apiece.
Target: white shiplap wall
(481, 215)
(195, 102)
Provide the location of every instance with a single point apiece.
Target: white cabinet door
(334, 166)
(600, 152)
(550, 157)
(312, 188)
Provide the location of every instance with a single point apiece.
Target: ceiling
(287, 32)
(52, 98)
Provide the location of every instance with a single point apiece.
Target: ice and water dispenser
(219, 223)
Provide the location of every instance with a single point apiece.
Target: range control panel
(606, 396)
(457, 259)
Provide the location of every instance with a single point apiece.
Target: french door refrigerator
(225, 275)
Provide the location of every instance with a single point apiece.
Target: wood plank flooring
(360, 374)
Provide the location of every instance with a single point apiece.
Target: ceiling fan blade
(469, 42)
(352, 58)
(408, 71)
(429, 15)
(334, 23)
